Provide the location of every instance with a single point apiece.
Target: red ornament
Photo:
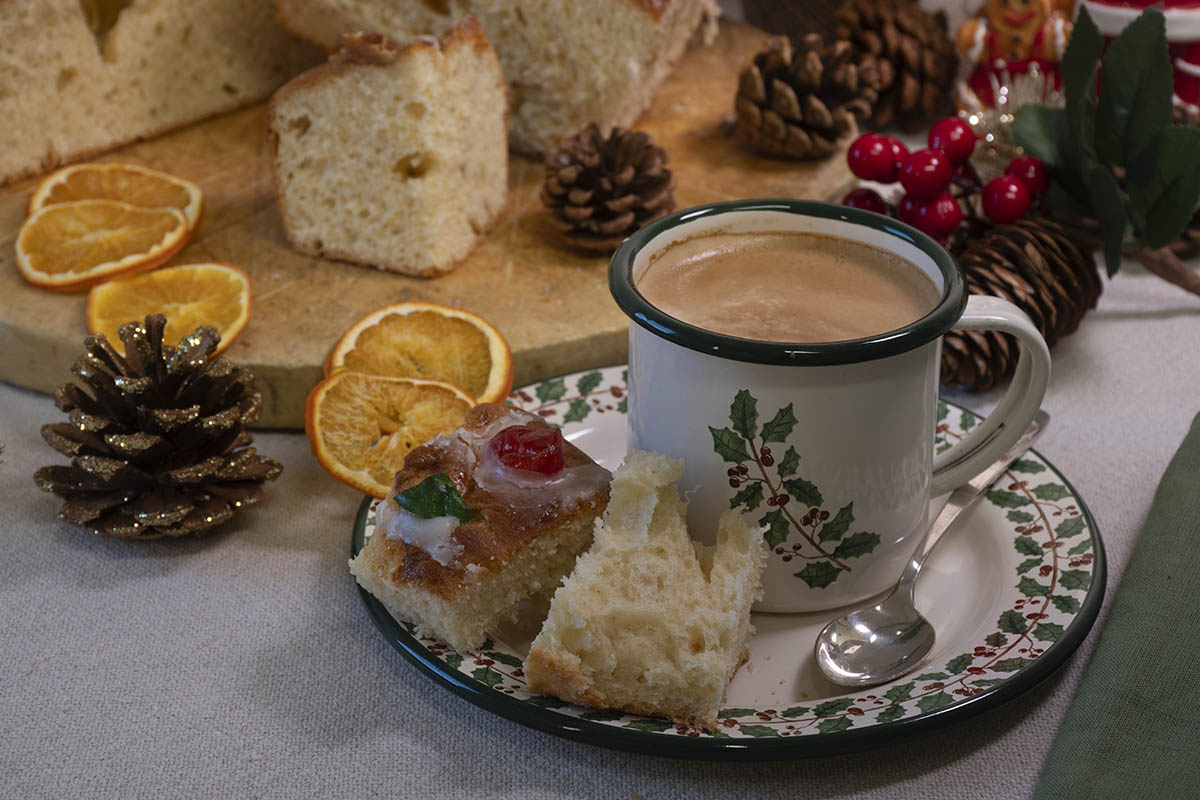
(926, 174)
(530, 449)
(954, 138)
(866, 199)
(872, 158)
(1031, 172)
(1006, 199)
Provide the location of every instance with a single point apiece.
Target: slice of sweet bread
(394, 156)
(456, 580)
(650, 622)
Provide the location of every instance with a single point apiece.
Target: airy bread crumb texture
(567, 63)
(83, 76)
(393, 156)
(650, 622)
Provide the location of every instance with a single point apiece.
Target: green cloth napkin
(1133, 729)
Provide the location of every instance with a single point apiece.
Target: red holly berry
(1006, 199)
(907, 210)
(531, 449)
(954, 138)
(866, 199)
(898, 150)
(938, 217)
(926, 174)
(871, 158)
(1031, 172)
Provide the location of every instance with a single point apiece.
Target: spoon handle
(965, 496)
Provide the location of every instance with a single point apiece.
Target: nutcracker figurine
(1183, 37)
(1013, 36)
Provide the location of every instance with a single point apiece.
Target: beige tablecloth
(244, 664)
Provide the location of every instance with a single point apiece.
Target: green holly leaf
(932, 676)
(743, 413)
(604, 715)
(1026, 546)
(624, 377)
(959, 663)
(803, 491)
(780, 426)
(734, 713)
(1027, 465)
(943, 410)
(1069, 527)
(545, 701)
(649, 725)
(1019, 517)
(995, 640)
(552, 390)
(488, 676)
(789, 463)
(836, 528)
(1012, 622)
(1082, 547)
(777, 528)
(1050, 491)
(985, 682)
(794, 712)
(1109, 207)
(819, 574)
(890, 714)
(435, 497)
(943, 447)
(932, 702)
(857, 545)
(750, 495)
(1029, 564)
(1172, 187)
(623, 405)
(831, 707)
(834, 724)
(899, 693)
(453, 659)
(1047, 631)
(1011, 664)
(1075, 579)
(1038, 129)
(1007, 499)
(578, 409)
(728, 445)
(967, 420)
(1031, 588)
(1065, 603)
(506, 659)
(589, 381)
(758, 731)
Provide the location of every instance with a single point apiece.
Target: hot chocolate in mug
(827, 445)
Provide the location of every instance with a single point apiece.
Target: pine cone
(599, 190)
(1036, 264)
(914, 45)
(799, 104)
(157, 449)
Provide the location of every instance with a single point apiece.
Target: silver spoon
(880, 643)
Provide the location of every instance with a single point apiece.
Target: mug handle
(984, 443)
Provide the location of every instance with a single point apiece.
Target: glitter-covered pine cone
(599, 189)
(157, 448)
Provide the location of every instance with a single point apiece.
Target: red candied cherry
(1031, 172)
(938, 217)
(1006, 199)
(871, 158)
(954, 138)
(866, 199)
(530, 449)
(926, 174)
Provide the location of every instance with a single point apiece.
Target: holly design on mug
(796, 525)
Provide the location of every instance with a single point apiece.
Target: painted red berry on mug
(871, 158)
(1031, 172)
(926, 174)
(866, 199)
(954, 138)
(1006, 199)
(938, 217)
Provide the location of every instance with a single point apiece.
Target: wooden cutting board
(551, 302)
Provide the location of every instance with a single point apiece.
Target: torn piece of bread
(394, 156)
(83, 76)
(651, 622)
(568, 62)
(527, 532)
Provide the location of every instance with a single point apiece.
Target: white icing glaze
(524, 489)
(434, 536)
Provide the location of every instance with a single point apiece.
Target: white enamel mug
(827, 446)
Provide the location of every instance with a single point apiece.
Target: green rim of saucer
(922, 331)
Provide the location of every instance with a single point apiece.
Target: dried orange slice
(362, 426)
(128, 183)
(72, 245)
(216, 295)
(430, 342)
